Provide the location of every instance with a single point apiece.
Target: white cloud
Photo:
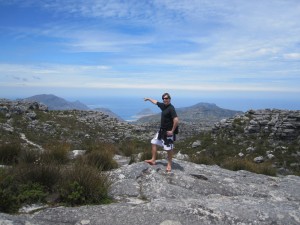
(292, 56)
(70, 76)
(196, 44)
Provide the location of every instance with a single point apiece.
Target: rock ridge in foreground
(191, 194)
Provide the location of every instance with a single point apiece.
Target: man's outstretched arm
(151, 100)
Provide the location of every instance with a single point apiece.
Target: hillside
(269, 139)
(56, 103)
(109, 113)
(77, 127)
(57, 158)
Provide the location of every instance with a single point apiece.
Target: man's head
(166, 98)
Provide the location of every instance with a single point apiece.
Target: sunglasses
(165, 98)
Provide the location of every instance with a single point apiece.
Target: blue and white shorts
(167, 143)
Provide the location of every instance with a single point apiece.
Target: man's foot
(151, 162)
(168, 170)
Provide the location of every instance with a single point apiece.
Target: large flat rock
(191, 194)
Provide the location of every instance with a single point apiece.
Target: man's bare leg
(153, 159)
(170, 156)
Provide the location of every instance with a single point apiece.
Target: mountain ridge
(202, 112)
(205, 114)
(57, 103)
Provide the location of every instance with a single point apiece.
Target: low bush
(29, 156)
(56, 153)
(32, 183)
(13, 193)
(9, 153)
(100, 159)
(236, 164)
(8, 196)
(47, 175)
(83, 184)
(30, 193)
(202, 159)
(131, 147)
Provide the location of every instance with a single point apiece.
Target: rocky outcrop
(192, 194)
(271, 136)
(20, 106)
(73, 126)
(278, 125)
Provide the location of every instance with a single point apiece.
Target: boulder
(196, 144)
(259, 159)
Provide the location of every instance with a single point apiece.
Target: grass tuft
(83, 184)
(9, 153)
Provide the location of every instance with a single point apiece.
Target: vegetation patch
(34, 177)
(9, 153)
(223, 149)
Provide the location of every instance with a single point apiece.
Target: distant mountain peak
(202, 105)
(208, 113)
(57, 103)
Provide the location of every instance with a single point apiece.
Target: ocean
(128, 107)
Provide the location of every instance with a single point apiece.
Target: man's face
(166, 100)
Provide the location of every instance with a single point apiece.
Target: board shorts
(167, 143)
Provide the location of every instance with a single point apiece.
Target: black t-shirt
(167, 115)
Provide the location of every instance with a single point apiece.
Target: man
(165, 137)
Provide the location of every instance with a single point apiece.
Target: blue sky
(216, 48)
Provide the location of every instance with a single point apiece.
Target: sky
(226, 49)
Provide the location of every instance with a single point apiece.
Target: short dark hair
(166, 94)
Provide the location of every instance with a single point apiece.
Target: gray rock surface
(191, 194)
(278, 125)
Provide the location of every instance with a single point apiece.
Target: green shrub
(83, 184)
(56, 153)
(99, 155)
(266, 169)
(47, 175)
(14, 193)
(9, 194)
(73, 193)
(236, 164)
(130, 147)
(29, 156)
(202, 159)
(9, 153)
(32, 193)
(102, 160)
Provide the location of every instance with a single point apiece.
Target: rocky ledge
(191, 194)
(277, 125)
